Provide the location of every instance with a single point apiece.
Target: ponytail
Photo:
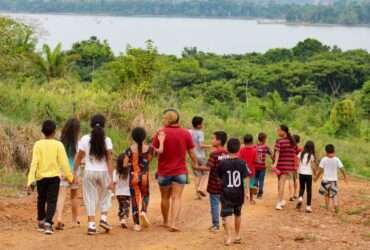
(98, 149)
(290, 137)
(138, 135)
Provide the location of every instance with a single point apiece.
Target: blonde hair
(171, 116)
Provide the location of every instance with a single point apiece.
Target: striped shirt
(214, 182)
(262, 151)
(287, 155)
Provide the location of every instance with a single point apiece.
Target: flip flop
(174, 230)
(238, 241)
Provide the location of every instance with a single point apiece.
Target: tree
(343, 117)
(308, 48)
(365, 104)
(54, 63)
(92, 54)
(17, 46)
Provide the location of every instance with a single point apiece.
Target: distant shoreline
(261, 21)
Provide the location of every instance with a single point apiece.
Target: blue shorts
(169, 180)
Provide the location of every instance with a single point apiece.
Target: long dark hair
(285, 128)
(98, 149)
(138, 134)
(69, 137)
(121, 170)
(309, 148)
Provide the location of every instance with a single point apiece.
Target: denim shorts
(169, 180)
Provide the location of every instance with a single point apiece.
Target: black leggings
(305, 181)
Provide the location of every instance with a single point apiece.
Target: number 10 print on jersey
(232, 172)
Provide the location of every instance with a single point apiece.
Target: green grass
(11, 182)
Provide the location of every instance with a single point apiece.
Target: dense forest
(348, 12)
(322, 92)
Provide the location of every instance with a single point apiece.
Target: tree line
(314, 80)
(345, 12)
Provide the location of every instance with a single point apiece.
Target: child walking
(262, 150)
(137, 159)
(48, 158)
(69, 138)
(248, 153)
(214, 184)
(97, 150)
(293, 179)
(122, 191)
(307, 168)
(329, 165)
(285, 158)
(200, 174)
(233, 173)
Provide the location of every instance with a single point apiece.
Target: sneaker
(259, 196)
(124, 223)
(104, 224)
(308, 209)
(214, 229)
(144, 219)
(48, 229)
(41, 226)
(91, 231)
(137, 228)
(279, 206)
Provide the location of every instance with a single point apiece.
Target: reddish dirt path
(263, 227)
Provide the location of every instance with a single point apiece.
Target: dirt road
(263, 227)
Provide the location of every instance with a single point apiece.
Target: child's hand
(30, 189)
(246, 196)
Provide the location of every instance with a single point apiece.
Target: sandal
(59, 226)
(174, 230)
(238, 241)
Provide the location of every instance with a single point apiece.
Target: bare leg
(60, 203)
(282, 182)
(227, 227)
(238, 222)
(336, 205)
(291, 187)
(165, 203)
(197, 182)
(327, 202)
(203, 182)
(176, 194)
(75, 206)
(295, 180)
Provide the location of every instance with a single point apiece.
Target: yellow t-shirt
(49, 159)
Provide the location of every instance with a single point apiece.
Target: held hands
(75, 180)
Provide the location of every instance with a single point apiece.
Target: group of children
(233, 173)
(230, 185)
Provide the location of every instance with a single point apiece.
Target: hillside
(323, 12)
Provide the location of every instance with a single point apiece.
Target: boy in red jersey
(214, 184)
(248, 153)
(262, 150)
